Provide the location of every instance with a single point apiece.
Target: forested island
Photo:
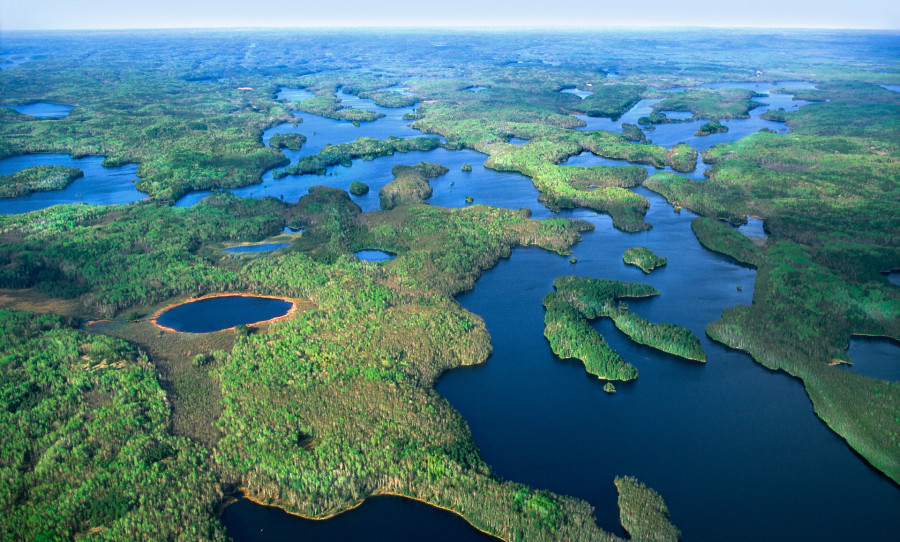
(118, 429)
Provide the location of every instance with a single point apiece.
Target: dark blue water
(43, 109)
(382, 519)
(99, 186)
(723, 442)
(264, 247)
(217, 313)
(874, 356)
(375, 255)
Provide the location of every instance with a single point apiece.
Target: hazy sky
(77, 14)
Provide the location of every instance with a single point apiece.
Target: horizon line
(482, 28)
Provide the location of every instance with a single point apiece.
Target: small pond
(222, 312)
(264, 247)
(375, 255)
(43, 109)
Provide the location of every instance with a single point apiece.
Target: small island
(358, 188)
(37, 179)
(576, 300)
(711, 127)
(571, 336)
(410, 185)
(644, 258)
(633, 132)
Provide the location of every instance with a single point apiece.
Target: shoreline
(285, 316)
(355, 505)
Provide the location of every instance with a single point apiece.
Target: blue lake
(375, 255)
(99, 186)
(43, 109)
(218, 313)
(732, 431)
(264, 247)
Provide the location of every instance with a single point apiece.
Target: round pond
(222, 312)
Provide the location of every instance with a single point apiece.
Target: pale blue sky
(78, 14)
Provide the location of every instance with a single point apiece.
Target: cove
(99, 186)
(877, 357)
(220, 312)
